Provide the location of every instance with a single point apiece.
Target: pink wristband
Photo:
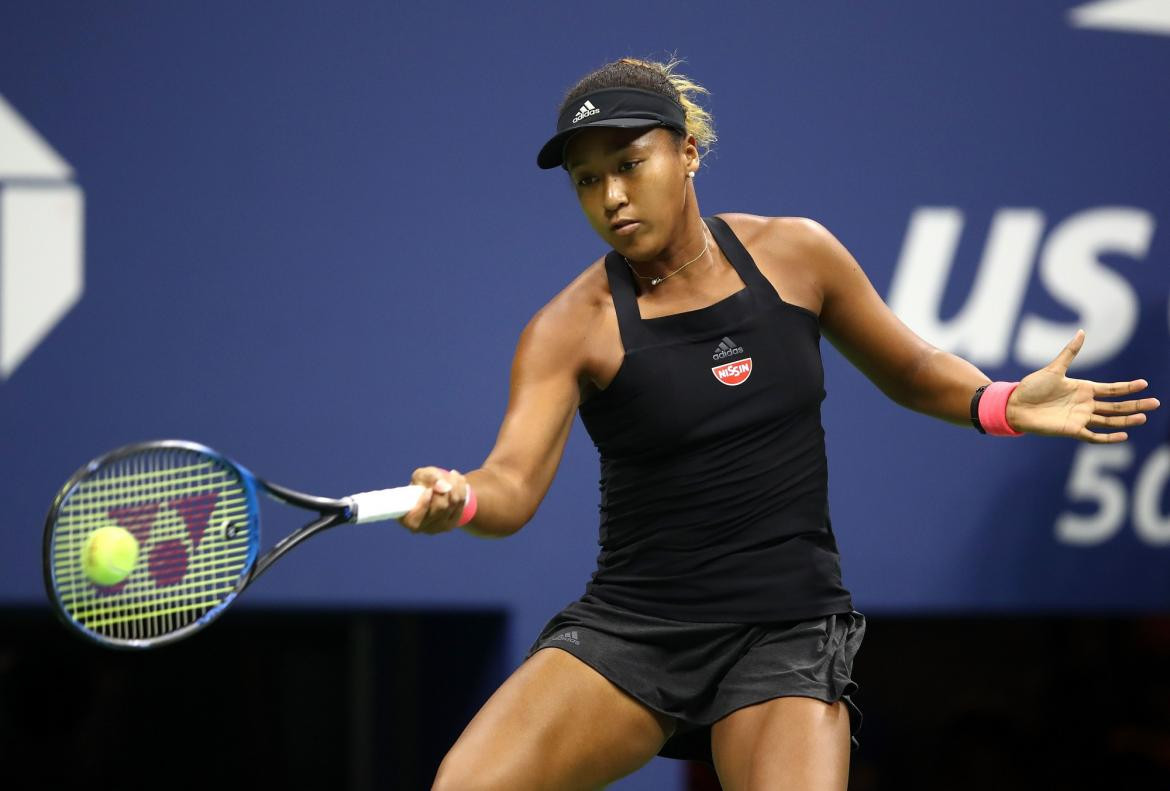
(993, 409)
(469, 506)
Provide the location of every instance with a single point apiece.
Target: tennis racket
(195, 518)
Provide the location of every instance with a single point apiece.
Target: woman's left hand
(1048, 402)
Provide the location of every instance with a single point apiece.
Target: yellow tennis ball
(109, 555)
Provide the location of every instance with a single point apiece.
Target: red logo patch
(732, 374)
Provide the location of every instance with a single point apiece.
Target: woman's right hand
(440, 505)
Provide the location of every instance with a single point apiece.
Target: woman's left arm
(921, 377)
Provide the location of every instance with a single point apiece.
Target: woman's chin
(635, 249)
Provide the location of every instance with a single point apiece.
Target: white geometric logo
(1124, 16)
(41, 239)
(585, 111)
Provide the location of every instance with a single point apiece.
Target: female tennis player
(716, 626)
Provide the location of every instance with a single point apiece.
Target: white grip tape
(385, 503)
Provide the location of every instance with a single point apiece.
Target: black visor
(627, 108)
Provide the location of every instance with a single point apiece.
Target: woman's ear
(691, 155)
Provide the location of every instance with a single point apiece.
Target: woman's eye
(585, 181)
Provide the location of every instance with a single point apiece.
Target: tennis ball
(109, 555)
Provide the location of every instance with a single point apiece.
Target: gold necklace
(656, 280)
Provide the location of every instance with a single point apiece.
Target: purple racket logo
(167, 559)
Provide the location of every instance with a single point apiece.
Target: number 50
(1095, 477)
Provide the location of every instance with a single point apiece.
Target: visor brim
(552, 154)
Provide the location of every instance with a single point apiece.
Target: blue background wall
(313, 233)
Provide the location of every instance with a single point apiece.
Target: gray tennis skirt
(699, 673)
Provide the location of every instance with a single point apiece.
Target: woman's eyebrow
(619, 148)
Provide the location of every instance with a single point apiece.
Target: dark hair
(661, 78)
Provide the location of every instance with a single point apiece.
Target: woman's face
(632, 185)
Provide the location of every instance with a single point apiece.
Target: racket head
(196, 518)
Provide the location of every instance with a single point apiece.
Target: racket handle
(384, 504)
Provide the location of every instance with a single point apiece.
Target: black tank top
(714, 481)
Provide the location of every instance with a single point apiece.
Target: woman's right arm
(543, 398)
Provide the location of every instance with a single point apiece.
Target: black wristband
(975, 409)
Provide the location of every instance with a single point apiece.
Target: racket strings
(193, 518)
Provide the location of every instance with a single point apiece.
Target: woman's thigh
(789, 742)
(556, 723)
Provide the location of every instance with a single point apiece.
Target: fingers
(1119, 389)
(413, 518)
(1068, 353)
(1123, 421)
(1125, 407)
(1117, 414)
(1102, 439)
(439, 507)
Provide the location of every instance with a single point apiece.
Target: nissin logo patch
(732, 374)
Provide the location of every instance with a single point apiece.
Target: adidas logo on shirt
(568, 637)
(586, 110)
(726, 348)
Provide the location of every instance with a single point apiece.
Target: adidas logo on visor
(586, 110)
